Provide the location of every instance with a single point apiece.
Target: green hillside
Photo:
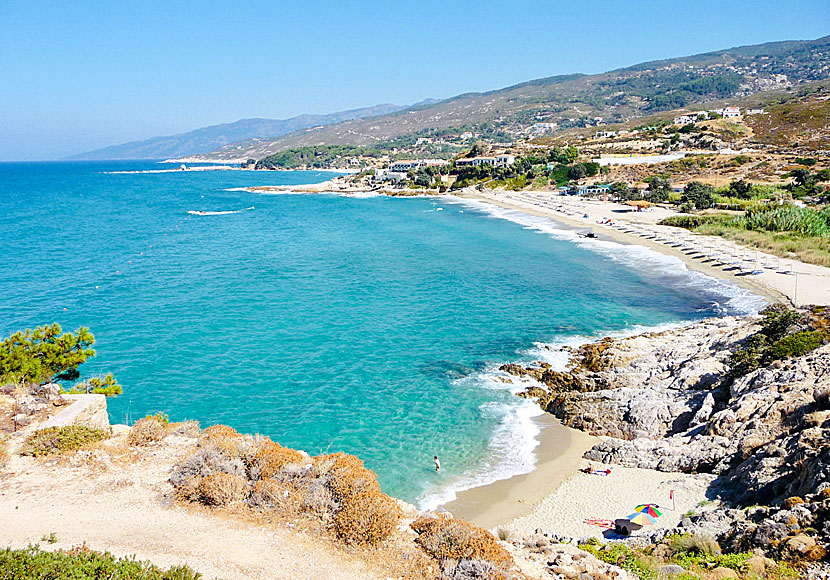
(576, 100)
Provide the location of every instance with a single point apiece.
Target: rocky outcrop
(88, 410)
(664, 401)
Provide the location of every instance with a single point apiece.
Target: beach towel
(607, 524)
(600, 473)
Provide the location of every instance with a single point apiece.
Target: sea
(365, 324)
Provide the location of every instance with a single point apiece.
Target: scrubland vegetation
(333, 495)
(783, 333)
(82, 564)
(55, 440)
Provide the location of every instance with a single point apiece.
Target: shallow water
(369, 325)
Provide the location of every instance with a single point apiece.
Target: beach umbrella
(650, 509)
(642, 519)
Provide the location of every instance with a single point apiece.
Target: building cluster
(694, 117)
(501, 160)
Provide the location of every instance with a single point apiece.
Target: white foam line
(738, 300)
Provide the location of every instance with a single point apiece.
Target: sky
(76, 76)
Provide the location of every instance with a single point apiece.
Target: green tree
(741, 189)
(577, 172)
(700, 195)
(478, 148)
(659, 189)
(45, 354)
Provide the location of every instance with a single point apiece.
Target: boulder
(722, 572)
(88, 410)
(670, 570)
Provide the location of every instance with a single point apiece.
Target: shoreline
(558, 457)
(809, 285)
(540, 498)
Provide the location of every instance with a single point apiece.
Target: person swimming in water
(437, 463)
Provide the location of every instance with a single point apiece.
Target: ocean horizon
(365, 324)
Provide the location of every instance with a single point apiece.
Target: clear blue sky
(81, 75)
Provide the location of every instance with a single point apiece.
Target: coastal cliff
(680, 401)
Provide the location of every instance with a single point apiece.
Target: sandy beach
(585, 496)
(555, 497)
(558, 456)
(777, 279)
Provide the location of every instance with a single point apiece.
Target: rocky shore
(673, 401)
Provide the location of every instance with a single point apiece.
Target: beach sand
(558, 456)
(614, 496)
(808, 284)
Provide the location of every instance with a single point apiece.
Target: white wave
(511, 449)
(732, 299)
(203, 213)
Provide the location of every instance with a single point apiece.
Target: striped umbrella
(642, 519)
(650, 509)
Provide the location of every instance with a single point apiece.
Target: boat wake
(228, 212)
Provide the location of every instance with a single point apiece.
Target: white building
(690, 118)
(731, 112)
(541, 128)
(755, 112)
(502, 160)
(604, 134)
(404, 165)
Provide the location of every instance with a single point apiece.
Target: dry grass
(147, 431)
(783, 244)
(4, 454)
(222, 489)
(185, 429)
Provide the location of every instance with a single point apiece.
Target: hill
(570, 101)
(209, 138)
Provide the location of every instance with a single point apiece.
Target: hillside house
(731, 112)
(502, 160)
(405, 165)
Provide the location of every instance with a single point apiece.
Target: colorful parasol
(650, 509)
(642, 519)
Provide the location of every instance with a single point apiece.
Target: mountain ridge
(578, 100)
(211, 137)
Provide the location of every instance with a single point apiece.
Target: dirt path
(122, 506)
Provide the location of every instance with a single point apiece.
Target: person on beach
(437, 463)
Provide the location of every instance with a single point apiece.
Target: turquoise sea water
(370, 325)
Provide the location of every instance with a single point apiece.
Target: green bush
(54, 440)
(796, 344)
(691, 222)
(106, 385)
(789, 218)
(82, 564)
(621, 555)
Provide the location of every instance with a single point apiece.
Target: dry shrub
(446, 539)
(185, 429)
(367, 518)
(147, 431)
(270, 494)
(226, 439)
(188, 490)
(347, 475)
(4, 455)
(270, 458)
(222, 489)
(792, 501)
(204, 462)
